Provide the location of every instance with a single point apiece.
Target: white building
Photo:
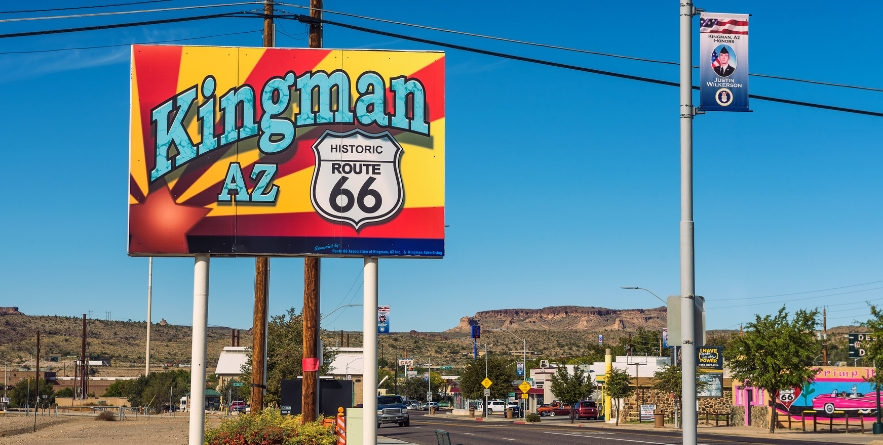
(348, 364)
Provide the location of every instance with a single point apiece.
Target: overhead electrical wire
(801, 293)
(793, 299)
(127, 44)
(26, 11)
(140, 11)
(124, 25)
(308, 19)
(569, 49)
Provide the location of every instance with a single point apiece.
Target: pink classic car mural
(846, 401)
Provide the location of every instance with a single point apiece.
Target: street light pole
(523, 362)
(641, 288)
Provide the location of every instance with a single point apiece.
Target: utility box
(674, 320)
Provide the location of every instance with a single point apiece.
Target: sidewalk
(381, 440)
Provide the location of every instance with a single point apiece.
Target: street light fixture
(339, 308)
(641, 288)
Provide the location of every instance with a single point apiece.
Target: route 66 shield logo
(357, 179)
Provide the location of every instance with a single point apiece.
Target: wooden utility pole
(310, 382)
(261, 282)
(258, 350)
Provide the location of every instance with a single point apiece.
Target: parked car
(495, 406)
(412, 404)
(425, 406)
(392, 409)
(237, 407)
(587, 409)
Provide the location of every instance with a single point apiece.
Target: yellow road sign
(486, 382)
(524, 387)
(524, 395)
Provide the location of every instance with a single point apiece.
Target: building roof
(231, 360)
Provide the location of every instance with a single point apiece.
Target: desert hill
(567, 317)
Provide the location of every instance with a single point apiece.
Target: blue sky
(562, 186)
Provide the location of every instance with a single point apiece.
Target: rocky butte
(567, 317)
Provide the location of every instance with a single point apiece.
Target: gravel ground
(85, 430)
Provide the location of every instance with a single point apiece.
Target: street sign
(486, 382)
(429, 396)
(238, 383)
(524, 387)
(524, 395)
(858, 343)
(487, 392)
(446, 368)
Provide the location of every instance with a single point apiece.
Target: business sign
(710, 358)
(406, 362)
(276, 151)
(410, 374)
(858, 344)
(723, 62)
(647, 412)
(383, 319)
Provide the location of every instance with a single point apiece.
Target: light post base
(878, 428)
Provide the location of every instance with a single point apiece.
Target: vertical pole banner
(383, 319)
(723, 62)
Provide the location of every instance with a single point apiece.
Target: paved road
(468, 432)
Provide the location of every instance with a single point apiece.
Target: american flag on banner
(714, 62)
(723, 26)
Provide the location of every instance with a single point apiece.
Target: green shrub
(532, 417)
(269, 427)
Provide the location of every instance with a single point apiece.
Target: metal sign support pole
(369, 358)
(197, 356)
(688, 347)
(149, 313)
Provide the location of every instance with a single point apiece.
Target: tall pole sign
(308, 152)
(723, 62)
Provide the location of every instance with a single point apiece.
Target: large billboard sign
(723, 62)
(273, 151)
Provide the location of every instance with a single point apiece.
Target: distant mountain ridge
(588, 318)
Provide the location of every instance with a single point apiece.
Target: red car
(587, 409)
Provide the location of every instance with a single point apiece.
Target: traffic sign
(486, 382)
(237, 383)
(487, 392)
(524, 387)
(524, 395)
(429, 396)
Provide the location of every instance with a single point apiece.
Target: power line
(123, 25)
(141, 11)
(307, 19)
(800, 293)
(127, 44)
(83, 7)
(796, 299)
(576, 50)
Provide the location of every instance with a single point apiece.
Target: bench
(442, 437)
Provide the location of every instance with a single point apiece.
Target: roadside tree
(570, 389)
(776, 353)
(285, 335)
(874, 349)
(498, 371)
(668, 379)
(619, 386)
(23, 393)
